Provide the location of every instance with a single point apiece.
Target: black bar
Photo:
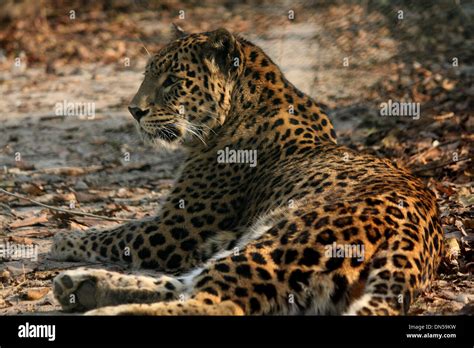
(295, 330)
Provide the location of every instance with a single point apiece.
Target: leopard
(268, 215)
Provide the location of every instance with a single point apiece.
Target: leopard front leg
(117, 244)
(142, 245)
(85, 289)
(193, 225)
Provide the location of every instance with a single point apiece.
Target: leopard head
(186, 92)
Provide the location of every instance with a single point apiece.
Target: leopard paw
(76, 290)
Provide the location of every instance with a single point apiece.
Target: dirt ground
(348, 56)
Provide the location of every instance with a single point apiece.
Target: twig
(73, 212)
(439, 165)
(10, 211)
(17, 286)
(420, 152)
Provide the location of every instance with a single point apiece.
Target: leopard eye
(169, 81)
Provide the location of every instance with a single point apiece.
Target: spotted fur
(239, 239)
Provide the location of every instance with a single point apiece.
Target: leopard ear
(178, 31)
(221, 38)
(222, 46)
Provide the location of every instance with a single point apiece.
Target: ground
(350, 57)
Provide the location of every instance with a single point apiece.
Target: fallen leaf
(35, 233)
(72, 171)
(32, 188)
(448, 85)
(34, 220)
(77, 226)
(22, 165)
(20, 240)
(62, 218)
(444, 189)
(83, 197)
(453, 249)
(35, 294)
(5, 276)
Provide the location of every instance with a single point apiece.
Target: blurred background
(349, 55)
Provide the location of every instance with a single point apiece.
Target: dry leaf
(448, 85)
(83, 197)
(5, 276)
(35, 233)
(32, 189)
(78, 226)
(72, 171)
(20, 240)
(22, 165)
(34, 220)
(35, 294)
(453, 250)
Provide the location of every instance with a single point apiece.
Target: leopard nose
(137, 113)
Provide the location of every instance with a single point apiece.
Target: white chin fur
(160, 143)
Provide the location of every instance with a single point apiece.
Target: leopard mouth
(169, 133)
